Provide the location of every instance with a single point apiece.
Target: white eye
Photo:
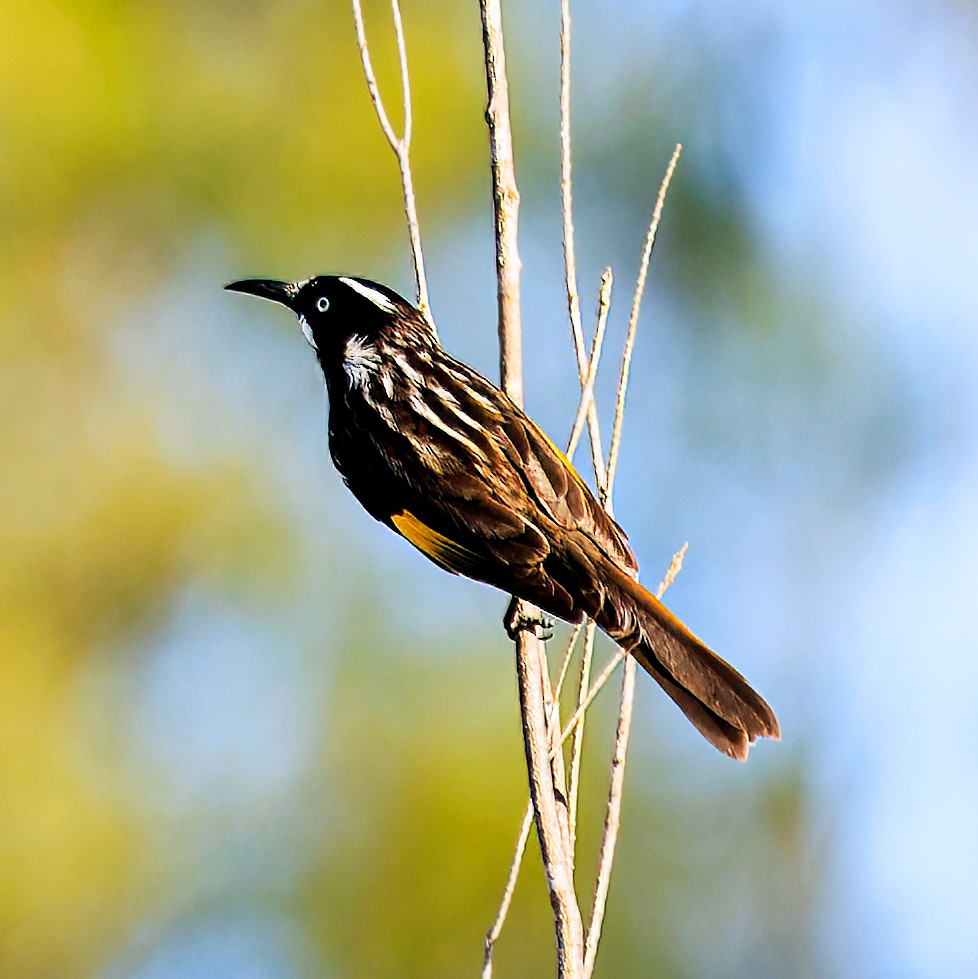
(322, 304)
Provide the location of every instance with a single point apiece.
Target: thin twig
(609, 838)
(587, 370)
(633, 318)
(613, 812)
(586, 401)
(530, 659)
(514, 870)
(517, 861)
(493, 935)
(506, 202)
(584, 674)
(565, 662)
(401, 145)
(550, 826)
(577, 743)
(570, 262)
(551, 704)
(612, 820)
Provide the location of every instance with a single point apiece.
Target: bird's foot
(516, 620)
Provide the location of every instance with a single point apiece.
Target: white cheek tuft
(360, 360)
(307, 332)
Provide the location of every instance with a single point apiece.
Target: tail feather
(721, 704)
(723, 735)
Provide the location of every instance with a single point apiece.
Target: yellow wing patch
(434, 545)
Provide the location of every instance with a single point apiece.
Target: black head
(333, 308)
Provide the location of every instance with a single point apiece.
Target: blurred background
(247, 732)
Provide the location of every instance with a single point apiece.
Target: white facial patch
(374, 295)
(360, 360)
(307, 332)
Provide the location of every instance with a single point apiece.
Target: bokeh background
(246, 732)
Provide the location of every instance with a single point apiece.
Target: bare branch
(506, 202)
(514, 870)
(584, 674)
(517, 861)
(586, 402)
(675, 566)
(585, 695)
(530, 659)
(633, 318)
(612, 818)
(368, 72)
(400, 145)
(560, 881)
(570, 261)
(565, 662)
(577, 744)
(552, 707)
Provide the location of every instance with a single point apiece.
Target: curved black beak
(270, 289)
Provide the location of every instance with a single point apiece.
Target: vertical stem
(577, 743)
(586, 401)
(626, 359)
(497, 926)
(613, 815)
(506, 202)
(570, 261)
(530, 659)
(550, 825)
(400, 145)
(612, 818)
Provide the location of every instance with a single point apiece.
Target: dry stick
(530, 660)
(506, 202)
(514, 868)
(551, 698)
(565, 662)
(584, 674)
(633, 317)
(400, 145)
(586, 401)
(550, 825)
(613, 812)
(577, 744)
(551, 703)
(604, 301)
(674, 567)
(514, 871)
(570, 262)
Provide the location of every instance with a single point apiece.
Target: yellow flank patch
(441, 549)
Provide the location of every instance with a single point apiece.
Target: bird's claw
(517, 620)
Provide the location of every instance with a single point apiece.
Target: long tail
(722, 705)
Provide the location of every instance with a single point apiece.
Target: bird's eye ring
(322, 304)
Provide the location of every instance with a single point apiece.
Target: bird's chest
(366, 449)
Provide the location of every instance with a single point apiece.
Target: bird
(441, 456)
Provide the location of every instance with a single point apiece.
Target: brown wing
(491, 500)
(560, 491)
